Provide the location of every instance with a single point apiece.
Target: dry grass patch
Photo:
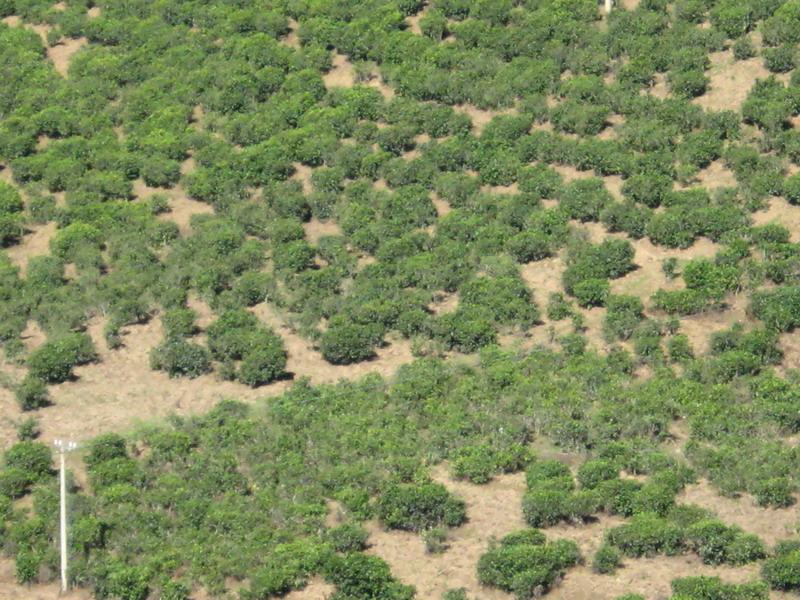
(730, 81)
(61, 54)
(121, 390)
(12, 591)
(316, 589)
(480, 117)
(544, 276)
(493, 510)
(316, 229)
(302, 173)
(32, 336)
(292, 39)
(35, 242)
(650, 577)
(181, 207)
(779, 211)
(442, 206)
(659, 89)
(341, 74)
(770, 524)
(413, 20)
(443, 303)
(648, 277)
(306, 361)
(716, 175)
(698, 328)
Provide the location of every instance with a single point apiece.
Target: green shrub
(782, 571)
(704, 587)
(174, 590)
(607, 260)
(654, 498)
(415, 507)
(466, 329)
(358, 575)
(547, 472)
(688, 84)
(32, 393)
(647, 535)
(105, 447)
(733, 18)
(115, 471)
(545, 507)
(127, 582)
(68, 242)
(527, 537)
(265, 359)
(673, 228)
(591, 292)
(526, 570)
(593, 472)
(54, 360)
(180, 358)
(791, 188)
(618, 496)
(623, 315)
(294, 256)
(558, 307)
(681, 302)
(27, 430)
(710, 539)
(33, 458)
(585, 199)
(14, 482)
(679, 348)
(628, 217)
(781, 59)
(745, 548)
(10, 200)
(647, 188)
(254, 287)
(530, 245)
(27, 565)
(346, 343)
(478, 464)
(179, 323)
(606, 560)
(506, 298)
(230, 336)
(775, 492)
(348, 538)
(778, 309)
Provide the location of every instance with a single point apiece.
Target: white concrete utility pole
(64, 446)
(608, 6)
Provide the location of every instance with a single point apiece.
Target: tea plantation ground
(384, 299)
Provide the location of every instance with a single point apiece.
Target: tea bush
(54, 361)
(416, 507)
(780, 571)
(712, 587)
(522, 568)
(606, 560)
(181, 358)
